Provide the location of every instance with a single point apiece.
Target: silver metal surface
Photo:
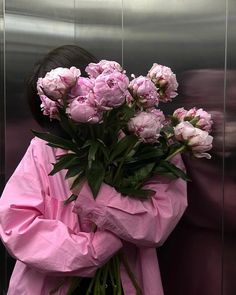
(188, 36)
(32, 28)
(98, 27)
(229, 255)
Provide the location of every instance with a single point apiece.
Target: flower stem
(179, 150)
(130, 274)
(92, 131)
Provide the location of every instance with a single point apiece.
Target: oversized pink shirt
(52, 241)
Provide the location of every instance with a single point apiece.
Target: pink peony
(82, 87)
(159, 114)
(180, 114)
(82, 109)
(205, 122)
(49, 107)
(129, 99)
(165, 81)
(57, 82)
(110, 90)
(104, 66)
(199, 141)
(144, 91)
(201, 118)
(146, 126)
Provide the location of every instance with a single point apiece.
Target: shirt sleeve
(47, 245)
(144, 223)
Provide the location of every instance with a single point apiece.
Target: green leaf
(174, 121)
(174, 147)
(92, 153)
(87, 143)
(123, 145)
(140, 176)
(148, 153)
(159, 170)
(70, 199)
(95, 176)
(174, 170)
(67, 125)
(56, 141)
(79, 179)
(73, 171)
(168, 130)
(64, 162)
(104, 149)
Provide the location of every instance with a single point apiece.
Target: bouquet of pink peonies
(117, 134)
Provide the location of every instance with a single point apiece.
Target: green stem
(97, 282)
(105, 274)
(130, 274)
(179, 150)
(92, 131)
(74, 284)
(119, 288)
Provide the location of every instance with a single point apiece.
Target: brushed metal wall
(3, 254)
(195, 38)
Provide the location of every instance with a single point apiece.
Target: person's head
(65, 56)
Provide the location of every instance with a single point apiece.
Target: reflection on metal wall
(32, 29)
(2, 141)
(229, 253)
(99, 27)
(189, 36)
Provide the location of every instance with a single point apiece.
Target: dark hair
(64, 56)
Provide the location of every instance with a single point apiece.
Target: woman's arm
(45, 244)
(145, 223)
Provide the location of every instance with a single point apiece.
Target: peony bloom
(129, 99)
(104, 66)
(165, 81)
(56, 82)
(82, 87)
(82, 109)
(199, 141)
(159, 114)
(49, 107)
(205, 122)
(144, 91)
(200, 118)
(180, 114)
(110, 90)
(146, 126)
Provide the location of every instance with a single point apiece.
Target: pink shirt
(52, 241)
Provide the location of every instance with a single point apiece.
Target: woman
(53, 242)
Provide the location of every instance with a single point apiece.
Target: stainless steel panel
(32, 29)
(188, 36)
(2, 141)
(99, 27)
(229, 254)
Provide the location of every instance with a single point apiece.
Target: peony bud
(199, 141)
(146, 126)
(165, 81)
(144, 91)
(104, 66)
